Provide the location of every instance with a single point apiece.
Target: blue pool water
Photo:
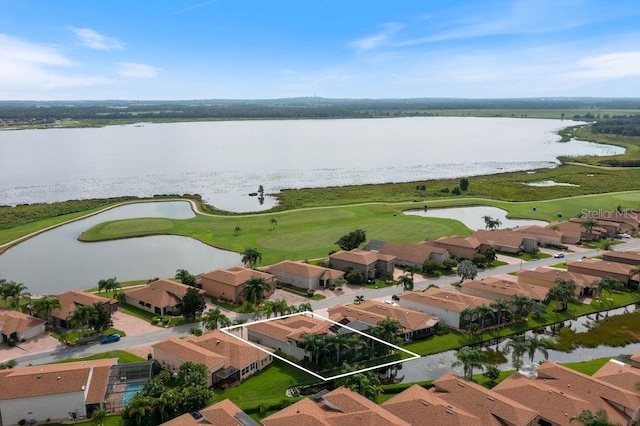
(130, 391)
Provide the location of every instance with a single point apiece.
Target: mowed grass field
(311, 233)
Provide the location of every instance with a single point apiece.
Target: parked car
(395, 297)
(558, 255)
(624, 236)
(110, 338)
(389, 302)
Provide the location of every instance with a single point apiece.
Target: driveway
(41, 344)
(132, 326)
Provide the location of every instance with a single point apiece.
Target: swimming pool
(130, 390)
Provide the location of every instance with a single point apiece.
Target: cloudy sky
(250, 49)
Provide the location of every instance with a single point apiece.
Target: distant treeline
(26, 112)
(618, 125)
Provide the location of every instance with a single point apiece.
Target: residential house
(72, 299)
(490, 407)
(18, 326)
(223, 413)
(411, 254)
(572, 233)
(619, 374)
(303, 275)
(338, 407)
(161, 297)
(369, 263)
(506, 240)
(602, 268)
(172, 352)
(629, 219)
(446, 305)
(559, 393)
(43, 393)
(457, 246)
(284, 334)
(241, 359)
(228, 284)
(415, 325)
(600, 229)
(497, 288)
(544, 276)
(544, 235)
(629, 257)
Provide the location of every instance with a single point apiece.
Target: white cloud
(376, 40)
(94, 40)
(196, 6)
(607, 66)
(135, 70)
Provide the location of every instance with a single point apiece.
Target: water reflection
(56, 261)
(472, 216)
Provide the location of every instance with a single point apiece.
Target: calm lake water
(225, 161)
(56, 261)
(472, 216)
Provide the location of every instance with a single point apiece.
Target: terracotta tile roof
(506, 289)
(451, 300)
(601, 266)
(221, 413)
(458, 241)
(409, 252)
(550, 275)
(629, 255)
(491, 407)
(501, 237)
(55, 379)
(290, 328)
(237, 353)
(236, 276)
(385, 257)
(187, 351)
(160, 293)
(539, 230)
(16, 322)
(303, 413)
(416, 404)
(619, 374)
(357, 256)
(629, 217)
(304, 270)
(636, 357)
(71, 299)
(599, 222)
(373, 312)
(568, 229)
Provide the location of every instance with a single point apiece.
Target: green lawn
(123, 357)
(73, 336)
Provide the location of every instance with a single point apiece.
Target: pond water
(543, 183)
(224, 161)
(433, 366)
(472, 216)
(55, 261)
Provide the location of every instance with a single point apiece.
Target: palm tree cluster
(608, 285)
(251, 256)
(109, 284)
(96, 316)
(365, 382)
(518, 346)
(491, 223)
(255, 289)
(469, 358)
(497, 313)
(12, 293)
(564, 292)
(279, 307)
(214, 318)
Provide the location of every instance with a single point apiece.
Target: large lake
(224, 161)
(55, 261)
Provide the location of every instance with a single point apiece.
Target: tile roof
(237, 353)
(601, 266)
(357, 256)
(291, 328)
(636, 357)
(506, 288)
(550, 275)
(71, 299)
(538, 230)
(373, 312)
(16, 322)
(619, 374)
(409, 252)
(235, 276)
(223, 413)
(451, 300)
(187, 351)
(629, 255)
(491, 407)
(55, 379)
(416, 404)
(501, 237)
(160, 293)
(458, 241)
(304, 270)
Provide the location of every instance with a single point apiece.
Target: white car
(558, 255)
(624, 236)
(389, 302)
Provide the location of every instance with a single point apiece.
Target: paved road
(148, 338)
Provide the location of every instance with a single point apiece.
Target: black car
(395, 297)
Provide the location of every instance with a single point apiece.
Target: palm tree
(587, 418)
(588, 226)
(358, 299)
(81, 316)
(45, 305)
(4, 290)
(609, 285)
(312, 343)
(162, 405)
(109, 284)
(99, 414)
(255, 288)
(412, 269)
(491, 223)
(139, 408)
(483, 312)
(274, 223)
(214, 318)
(517, 346)
(522, 303)
(469, 358)
(337, 343)
(501, 308)
(365, 383)
(406, 282)
(388, 329)
(564, 291)
(306, 306)
(17, 292)
(533, 345)
(467, 316)
(251, 256)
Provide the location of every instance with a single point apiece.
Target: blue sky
(257, 49)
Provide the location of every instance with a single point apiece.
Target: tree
(517, 346)
(492, 373)
(389, 329)
(501, 308)
(274, 223)
(15, 292)
(314, 344)
(609, 285)
(355, 277)
(101, 320)
(563, 292)
(491, 223)
(352, 240)
(358, 299)
(522, 303)
(214, 318)
(81, 316)
(538, 308)
(430, 267)
(365, 383)
(236, 231)
(336, 344)
(469, 359)
(587, 418)
(483, 312)
(45, 305)
(588, 226)
(139, 411)
(479, 260)
(99, 414)
(193, 303)
(192, 374)
(490, 255)
(406, 282)
(464, 184)
(254, 289)
(109, 284)
(466, 270)
(251, 256)
(305, 307)
(535, 344)
(185, 277)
